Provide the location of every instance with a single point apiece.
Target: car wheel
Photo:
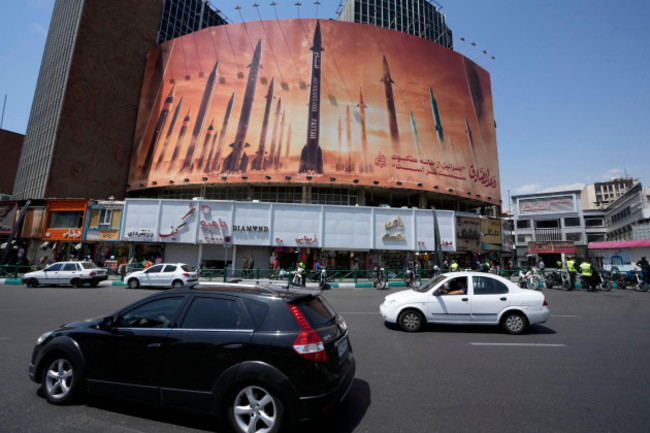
(255, 409)
(177, 284)
(32, 282)
(514, 323)
(411, 320)
(60, 380)
(133, 283)
(76, 283)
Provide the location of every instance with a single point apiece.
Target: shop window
(522, 239)
(105, 217)
(66, 219)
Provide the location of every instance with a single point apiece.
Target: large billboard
(295, 101)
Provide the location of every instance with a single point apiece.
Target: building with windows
(180, 17)
(416, 17)
(601, 194)
(11, 144)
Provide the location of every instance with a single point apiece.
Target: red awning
(644, 243)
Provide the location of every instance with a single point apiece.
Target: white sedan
(172, 275)
(466, 298)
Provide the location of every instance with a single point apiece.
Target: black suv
(263, 357)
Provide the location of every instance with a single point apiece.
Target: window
(547, 224)
(594, 222)
(522, 239)
(523, 224)
(154, 314)
(214, 313)
(66, 219)
(572, 222)
(154, 269)
(574, 237)
(488, 286)
(170, 268)
(105, 217)
(257, 311)
(54, 267)
(70, 267)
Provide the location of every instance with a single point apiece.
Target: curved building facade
(302, 107)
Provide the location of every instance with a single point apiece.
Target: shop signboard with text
(555, 247)
(468, 234)
(65, 220)
(425, 232)
(297, 226)
(141, 220)
(7, 215)
(547, 205)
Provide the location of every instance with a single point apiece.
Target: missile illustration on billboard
(208, 162)
(416, 141)
(348, 139)
(470, 142)
(258, 161)
(204, 148)
(286, 152)
(276, 160)
(238, 160)
(274, 134)
(364, 167)
(216, 162)
(436, 118)
(208, 92)
(160, 125)
(161, 157)
(311, 157)
(390, 105)
(179, 141)
(339, 161)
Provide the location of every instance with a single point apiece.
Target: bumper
(388, 313)
(538, 316)
(313, 406)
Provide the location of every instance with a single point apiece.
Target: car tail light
(92, 273)
(185, 274)
(545, 302)
(308, 344)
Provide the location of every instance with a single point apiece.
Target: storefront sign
(7, 216)
(468, 234)
(63, 234)
(394, 229)
(567, 247)
(108, 236)
(550, 205)
(307, 240)
(491, 231)
(140, 233)
(263, 229)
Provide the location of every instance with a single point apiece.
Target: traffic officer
(454, 266)
(587, 275)
(571, 269)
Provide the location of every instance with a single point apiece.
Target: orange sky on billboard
(381, 107)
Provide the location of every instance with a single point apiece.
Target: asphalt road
(585, 370)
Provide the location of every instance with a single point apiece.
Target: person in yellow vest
(587, 275)
(571, 269)
(454, 266)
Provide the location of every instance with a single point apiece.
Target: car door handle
(154, 345)
(504, 298)
(465, 299)
(233, 346)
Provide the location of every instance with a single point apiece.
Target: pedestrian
(251, 265)
(588, 275)
(244, 266)
(541, 266)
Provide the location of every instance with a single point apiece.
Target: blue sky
(569, 79)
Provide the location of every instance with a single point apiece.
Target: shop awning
(643, 243)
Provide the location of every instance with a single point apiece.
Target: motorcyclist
(302, 269)
(645, 269)
(588, 275)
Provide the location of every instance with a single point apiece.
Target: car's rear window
(316, 310)
(88, 265)
(186, 268)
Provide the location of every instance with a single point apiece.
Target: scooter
(379, 278)
(411, 279)
(322, 279)
(558, 278)
(634, 280)
(297, 277)
(529, 279)
(603, 284)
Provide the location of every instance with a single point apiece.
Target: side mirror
(106, 323)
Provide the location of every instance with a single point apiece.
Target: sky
(569, 79)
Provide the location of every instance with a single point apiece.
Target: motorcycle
(411, 279)
(557, 278)
(297, 277)
(603, 284)
(379, 278)
(529, 279)
(634, 280)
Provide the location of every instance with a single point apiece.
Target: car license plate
(342, 347)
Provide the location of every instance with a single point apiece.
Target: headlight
(42, 338)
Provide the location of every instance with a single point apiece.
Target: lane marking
(519, 344)
(5, 338)
(565, 315)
